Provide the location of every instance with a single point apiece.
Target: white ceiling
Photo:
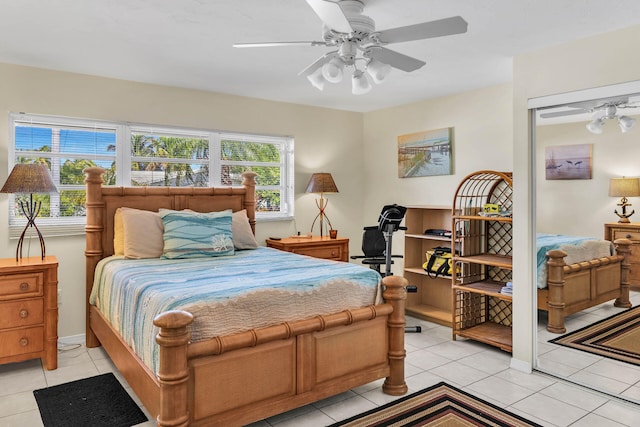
(187, 43)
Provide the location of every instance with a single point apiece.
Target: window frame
(67, 226)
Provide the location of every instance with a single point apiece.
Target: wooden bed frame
(245, 377)
(573, 288)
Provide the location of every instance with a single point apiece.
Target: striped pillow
(195, 234)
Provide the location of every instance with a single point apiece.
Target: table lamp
(624, 187)
(321, 183)
(29, 178)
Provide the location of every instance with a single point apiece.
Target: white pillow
(243, 237)
(142, 233)
(118, 233)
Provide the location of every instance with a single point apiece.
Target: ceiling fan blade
(426, 30)
(272, 44)
(317, 64)
(564, 113)
(395, 59)
(331, 14)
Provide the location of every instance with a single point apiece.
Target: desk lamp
(29, 178)
(321, 183)
(624, 187)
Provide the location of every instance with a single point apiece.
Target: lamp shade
(332, 71)
(624, 187)
(378, 70)
(317, 80)
(626, 123)
(359, 83)
(595, 126)
(321, 183)
(29, 178)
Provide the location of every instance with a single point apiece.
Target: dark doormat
(98, 401)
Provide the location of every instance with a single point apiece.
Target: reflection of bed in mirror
(239, 377)
(575, 273)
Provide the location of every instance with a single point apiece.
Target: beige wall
(325, 140)
(560, 202)
(482, 139)
(588, 63)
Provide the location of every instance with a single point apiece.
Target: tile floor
(431, 357)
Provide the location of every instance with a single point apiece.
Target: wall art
(425, 153)
(568, 161)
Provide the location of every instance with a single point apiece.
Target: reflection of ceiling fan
(354, 38)
(602, 111)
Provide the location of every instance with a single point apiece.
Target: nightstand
(29, 310)
(316, 246)
(631, 231)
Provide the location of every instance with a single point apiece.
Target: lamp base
(30, 211)
(322, 216)
(624, 216)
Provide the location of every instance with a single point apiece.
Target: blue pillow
(195, 234)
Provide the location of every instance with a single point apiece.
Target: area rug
(98, 401)
(441, 405)
(616, 337)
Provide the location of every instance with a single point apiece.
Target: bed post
(623, 247)
(555, 285)
(249, 182)
(395, 293)
(173, 373)
(93, 230)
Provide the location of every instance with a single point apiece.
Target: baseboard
(71, 340)
(521, 365)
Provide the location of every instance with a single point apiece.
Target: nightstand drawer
(21, 341)
(326, 252)
(13, 286)
(633, 235)
(21, 313)
(316, 246)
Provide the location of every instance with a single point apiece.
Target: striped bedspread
(577, 248)
(227, 294)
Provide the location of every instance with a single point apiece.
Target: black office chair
(377, 244)
(377, 240)
(374, 246)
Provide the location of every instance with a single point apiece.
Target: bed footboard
(287, 365)
(575, 287)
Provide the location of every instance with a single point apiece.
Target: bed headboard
(102, 203)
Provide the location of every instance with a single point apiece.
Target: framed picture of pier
(568, 161)
(425, 153)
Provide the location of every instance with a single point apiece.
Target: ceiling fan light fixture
(332, 71)
(359, 82)
(595, 126)
(626, 123)
(317, 79)
(378, 70)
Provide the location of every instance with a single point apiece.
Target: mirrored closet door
(587, 147)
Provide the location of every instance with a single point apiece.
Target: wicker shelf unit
(480, 311)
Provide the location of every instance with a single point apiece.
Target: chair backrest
(373, 242)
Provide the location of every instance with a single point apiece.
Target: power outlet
(59, 296)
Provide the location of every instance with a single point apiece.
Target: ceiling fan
(606, 110)
(356, 41)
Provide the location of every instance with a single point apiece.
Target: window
(143, 155)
